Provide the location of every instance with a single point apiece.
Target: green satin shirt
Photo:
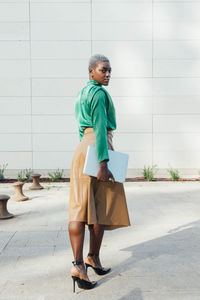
(94, 108)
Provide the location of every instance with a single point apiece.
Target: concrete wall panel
(154, 50)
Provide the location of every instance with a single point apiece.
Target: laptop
(117, 164)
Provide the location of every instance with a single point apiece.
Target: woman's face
(102, 73)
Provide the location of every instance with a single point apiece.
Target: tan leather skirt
(92, 201)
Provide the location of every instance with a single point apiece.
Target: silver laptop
(117, 164)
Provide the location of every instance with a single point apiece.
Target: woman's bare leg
(96, 236)
(77, 234)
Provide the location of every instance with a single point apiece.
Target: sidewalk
(157, 258)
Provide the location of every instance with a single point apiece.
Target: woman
(98, 203)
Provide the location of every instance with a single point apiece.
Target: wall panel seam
(30, 55)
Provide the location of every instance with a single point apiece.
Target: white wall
(154, 49)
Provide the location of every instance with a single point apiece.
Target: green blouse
(94, 108)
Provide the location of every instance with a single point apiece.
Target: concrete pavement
(157, 258)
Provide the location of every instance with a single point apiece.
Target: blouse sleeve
(99, 122)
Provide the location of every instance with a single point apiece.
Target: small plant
(50, 187)
(21, 176)
(2, 170)
(27, 173)
(174, 173)
(149, 172)
(24, 175)
(56, 175)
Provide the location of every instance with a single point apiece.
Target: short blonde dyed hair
(95, 59)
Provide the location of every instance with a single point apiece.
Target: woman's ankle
(93, 254)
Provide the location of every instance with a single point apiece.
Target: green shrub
(54, 176)
(149, 172)
(174, 173)
(27, 173)
(2, 170)
(24, 175)
(21, 176)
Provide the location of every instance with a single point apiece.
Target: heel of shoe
(86, 266)
(74, 280)
(83, 284)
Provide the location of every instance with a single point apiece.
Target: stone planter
(4, 214)
(36, 185)
(18, 193)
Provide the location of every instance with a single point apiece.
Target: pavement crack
(8, 242)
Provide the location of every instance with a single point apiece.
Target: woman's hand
(104, 173)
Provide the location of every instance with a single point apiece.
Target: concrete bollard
(4, 214)
(18, 193)
(36, 185)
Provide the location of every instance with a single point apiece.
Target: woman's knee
(95, 227)
(76, 226)
(91, 227)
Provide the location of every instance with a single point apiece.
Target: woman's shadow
(168, 255)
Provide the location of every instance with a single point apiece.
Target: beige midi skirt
(93, 201)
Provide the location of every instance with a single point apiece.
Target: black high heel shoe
(82, 284)
(99, 271)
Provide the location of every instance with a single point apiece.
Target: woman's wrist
(103, 164)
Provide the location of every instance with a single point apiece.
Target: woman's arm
(99, 122)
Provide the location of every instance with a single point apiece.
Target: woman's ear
(91, 72)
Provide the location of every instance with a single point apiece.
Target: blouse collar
(94, 82)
